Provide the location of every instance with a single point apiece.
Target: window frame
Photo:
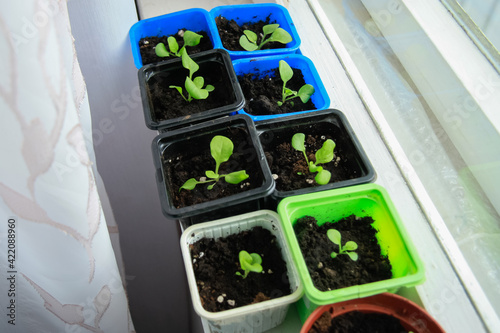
(432, 26)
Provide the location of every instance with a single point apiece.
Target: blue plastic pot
(195, 19)
(254, 13)
(260, 67)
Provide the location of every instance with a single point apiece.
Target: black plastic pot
(172, 148)
(215, 67)
(329, 122)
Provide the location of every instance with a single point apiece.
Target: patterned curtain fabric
(58, 271)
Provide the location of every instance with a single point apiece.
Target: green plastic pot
(333, 205)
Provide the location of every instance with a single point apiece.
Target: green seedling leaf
(256, 259)
(191, 38)
(236, 177)
(247, 45)
(280, 35)
(314, 168)
(188, 63)
(249, 262)
(323, 177)
(305, 92)
(221, 149)
(298, 141)
(172, 45)
(189, 184)
(194, 91)
(325, 153)
(194, 87)
(161, 50)
(179, 89)
(289, 92)
(352, 255)
(334, 236)
(252, 36)
(269, 29)
(270, 32)
(286, 72)
(199, 81)
(211, 174)
(350, 246)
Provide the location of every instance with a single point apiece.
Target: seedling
(348, 248)
(194, 86)
(190, 39)
(270, 33)
(249, 262)
(286, 73)
(323, 155)
(221, 149)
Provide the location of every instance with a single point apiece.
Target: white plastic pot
(254, 318)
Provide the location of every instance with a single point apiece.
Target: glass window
(441, 97)
(486, 15)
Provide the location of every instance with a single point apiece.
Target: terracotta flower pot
(412, 317)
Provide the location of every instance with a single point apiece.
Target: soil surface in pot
(147, 46)
(193, 158)
(216, 262)
(333, 273)
(167, 103)
(230, 33)
(358, 322)
(290, 166)
(262, 93)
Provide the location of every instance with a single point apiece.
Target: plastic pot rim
(263, 190)
(224, 223)
(296, 42)
(315, 81)
(368, 178)
(209, 114)
(136, 33)
(384, 303)
(342, 294)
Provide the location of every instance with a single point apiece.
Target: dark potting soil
(333, 273)
(147, 46)
(193, 158)
(358, 322)
(230, 33)
(167, 103)
(215, 263)
(291, 167)
(262, 93)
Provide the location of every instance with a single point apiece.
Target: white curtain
(58, 271)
